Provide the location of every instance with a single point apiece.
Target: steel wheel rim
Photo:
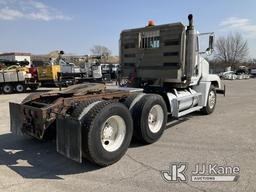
(113, 133)
(7, 89)
(155, 118)
(19, 88)
(212, 99)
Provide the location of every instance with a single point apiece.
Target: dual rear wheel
(106, 130)
(149, 115)
(18, 88)
(107, 126)
(7, 89)
(10, 88)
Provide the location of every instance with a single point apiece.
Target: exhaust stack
(190, 49)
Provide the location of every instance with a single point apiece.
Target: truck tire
(150, 118)
(128, 101)
(106, 132)
(20, 88)
(7, 89)
(211, 101)
(76, 111)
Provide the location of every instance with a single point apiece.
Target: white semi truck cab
(166, 59)
(166, 76)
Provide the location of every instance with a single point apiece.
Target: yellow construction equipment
(48, 73)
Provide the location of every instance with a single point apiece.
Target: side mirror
(211, 40)
(210, 47)
(209, 50)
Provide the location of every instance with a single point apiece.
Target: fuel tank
(188, 100)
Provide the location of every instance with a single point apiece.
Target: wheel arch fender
(213, 79)
(203, 88)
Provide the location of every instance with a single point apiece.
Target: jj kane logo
(201, 173)
(176, 173)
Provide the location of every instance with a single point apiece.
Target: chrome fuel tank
(188, 100)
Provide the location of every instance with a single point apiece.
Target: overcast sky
(40, 26)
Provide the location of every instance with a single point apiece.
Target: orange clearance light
(151, 23)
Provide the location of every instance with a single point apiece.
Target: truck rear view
(97, 123)
(163, 54)
(156, 53)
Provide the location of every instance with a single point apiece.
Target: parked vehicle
(106, 71)
(229, 75)
(97, 123)
(57, 72)
(17, 79)
(241, 73)
(253, 73)
(69, 68)
(115, 69)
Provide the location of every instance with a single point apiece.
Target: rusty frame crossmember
(34, 116)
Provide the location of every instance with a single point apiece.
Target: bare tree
(231, 49)
(251, 63)
(100, 51)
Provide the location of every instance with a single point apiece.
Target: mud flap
(68, 137)
(221, 91)
(16, 118)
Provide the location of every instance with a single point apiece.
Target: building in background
(16, 56)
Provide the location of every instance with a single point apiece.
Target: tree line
(231, 51)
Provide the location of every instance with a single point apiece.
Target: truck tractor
(16, 78)
(94, 122)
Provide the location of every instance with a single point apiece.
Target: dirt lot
(226, 137)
